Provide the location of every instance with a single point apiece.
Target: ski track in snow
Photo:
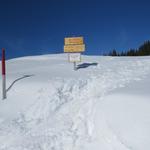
(62, 117)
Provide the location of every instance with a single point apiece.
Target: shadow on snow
(25, 76)
(85, 65)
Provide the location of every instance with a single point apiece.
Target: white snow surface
(50, 106)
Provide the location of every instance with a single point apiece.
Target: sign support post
(75, 66)
(3, 75)
(74, 46)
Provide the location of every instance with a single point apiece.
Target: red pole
(3, 75)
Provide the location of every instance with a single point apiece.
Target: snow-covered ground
(104, 105)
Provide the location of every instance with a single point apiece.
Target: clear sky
(31, 27)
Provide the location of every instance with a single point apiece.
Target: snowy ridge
(62, 114)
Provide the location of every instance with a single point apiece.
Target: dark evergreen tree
(131, 52)
(114, 53)
(143, 50)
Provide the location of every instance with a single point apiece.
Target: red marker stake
(3, 75)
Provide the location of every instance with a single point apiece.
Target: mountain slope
(51, 106)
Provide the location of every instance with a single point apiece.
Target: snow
(103, 105)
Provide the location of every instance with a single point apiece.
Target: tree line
(143, 50)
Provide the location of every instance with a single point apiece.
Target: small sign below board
(74, 57)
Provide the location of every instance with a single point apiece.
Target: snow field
(59, 109)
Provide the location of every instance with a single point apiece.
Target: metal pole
(4, 86)
(3, 75)
(75, 66)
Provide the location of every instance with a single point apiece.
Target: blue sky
(32, 27)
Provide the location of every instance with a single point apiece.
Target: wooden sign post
(74, 46)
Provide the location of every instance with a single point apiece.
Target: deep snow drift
(103, 105)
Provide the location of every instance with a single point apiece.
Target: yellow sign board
(74, 41)
(74, 48)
